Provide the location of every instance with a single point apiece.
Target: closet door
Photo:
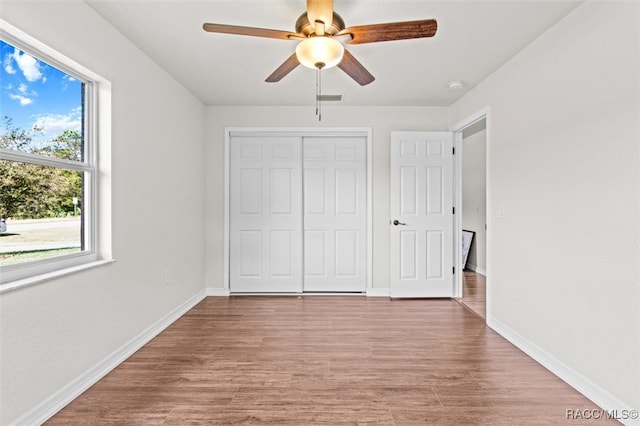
(265, 247)
(335, 219)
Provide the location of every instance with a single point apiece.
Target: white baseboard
(378, 292)
(50, 406)
(224, 292)
(582, 384)
(217, 291)
(476, 269)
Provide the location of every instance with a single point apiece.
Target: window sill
(26, 282)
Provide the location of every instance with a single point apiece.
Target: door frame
(457, 129)
(301, 132)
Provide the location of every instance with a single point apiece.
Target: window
(48, 161)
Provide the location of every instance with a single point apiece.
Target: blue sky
(35, 93)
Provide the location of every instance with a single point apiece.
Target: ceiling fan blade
(320, 10)
(355, 69)
(391, 31)
(250, 31)
(284, 69)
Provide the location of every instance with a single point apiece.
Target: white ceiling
(474, 38)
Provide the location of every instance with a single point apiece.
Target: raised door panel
(249, 191)
(315, 253)
(408, 255)
(346, 192)
(346, 253)
(315, 188)
(249, 247)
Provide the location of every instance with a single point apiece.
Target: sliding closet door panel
(335, 217)
(265, 248)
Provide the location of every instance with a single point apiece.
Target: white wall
(53, 332)
(382, 120)
(564, 161)
(474, 194)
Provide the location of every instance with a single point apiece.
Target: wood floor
(327, 361)
(474, 292)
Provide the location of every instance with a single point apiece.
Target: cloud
(53, 125)
(24, 101)
(7, 64)
(22, 94)
(66, 79)
(29, 65)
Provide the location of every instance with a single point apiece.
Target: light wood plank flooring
(327, 361)
(474, 292)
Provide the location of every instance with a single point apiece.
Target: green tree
(34, 191)
(67, 146)
(13, 137)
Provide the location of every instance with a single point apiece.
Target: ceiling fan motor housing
(303, 26)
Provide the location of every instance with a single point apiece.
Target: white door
(335, 220)
(265, 226)
(421, 214)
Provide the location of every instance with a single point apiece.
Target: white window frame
(94, 166)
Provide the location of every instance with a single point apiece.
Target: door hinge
(454, 270)
(453, 209)
(453, 150)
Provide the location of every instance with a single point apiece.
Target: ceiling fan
(321, 34)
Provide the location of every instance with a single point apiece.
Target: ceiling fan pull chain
(319, 93)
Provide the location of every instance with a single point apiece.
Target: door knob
(396, 222)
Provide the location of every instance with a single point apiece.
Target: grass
(29, 240)
(13, 258)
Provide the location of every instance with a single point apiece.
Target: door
(335, 220)
(421, 214)
(265, 214)
(297, 214)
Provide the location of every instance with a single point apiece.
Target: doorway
(472, 197)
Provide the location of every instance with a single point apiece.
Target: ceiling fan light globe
(319, 52)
